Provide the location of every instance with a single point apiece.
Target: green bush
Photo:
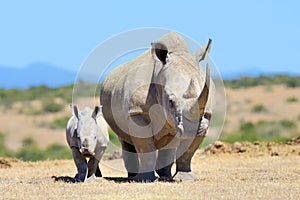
(258, 108)
(4, 152)
(288, 124)
(59, 123)
(57, 151)
(30, 151)
(28, 142)
(51, 106)
(291, 100)
(262, 131)
(244, 82)
(10, 96)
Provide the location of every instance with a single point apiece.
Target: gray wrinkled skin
(162, 100)
(87, 136)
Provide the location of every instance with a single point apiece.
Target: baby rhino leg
(81, 165)
(92, 169)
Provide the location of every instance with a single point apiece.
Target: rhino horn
(202, 99)
(203, 52)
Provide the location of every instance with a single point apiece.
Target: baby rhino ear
(74, 110)
(97, 112)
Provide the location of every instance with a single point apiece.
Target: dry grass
(221, 176)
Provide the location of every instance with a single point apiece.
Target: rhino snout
(85, 143)
(86, 149)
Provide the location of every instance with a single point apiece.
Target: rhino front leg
(146, 152)
(183, 163)
(165, 159)
(130, 158)
(94, 168)
(93, 165)
(81, 165)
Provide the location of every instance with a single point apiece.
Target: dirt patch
(291, 147)
(8, 162)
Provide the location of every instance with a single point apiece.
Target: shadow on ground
(68, 179)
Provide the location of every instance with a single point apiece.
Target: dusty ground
(238, 171)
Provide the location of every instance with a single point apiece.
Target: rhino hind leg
(183, 163)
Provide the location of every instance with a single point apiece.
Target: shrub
(57, 151)
(4, 152)
(262, 131)
(30, 151)
(28, 142)
(259, 108)
(51, 106)
(291, 100)
(59, 123)
(287, 124)
(289, 81)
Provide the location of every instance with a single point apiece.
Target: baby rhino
(87, 136)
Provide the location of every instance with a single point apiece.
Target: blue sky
(261, 36)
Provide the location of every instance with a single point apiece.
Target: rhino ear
(97, 111)
(74, 111)
(203, 52)
(159, 51)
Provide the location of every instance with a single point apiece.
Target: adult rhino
(162, 100)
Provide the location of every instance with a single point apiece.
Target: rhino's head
(181, 83)
(87, 129)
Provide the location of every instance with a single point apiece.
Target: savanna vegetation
(289, 81)
(53, 100)
(262, 131)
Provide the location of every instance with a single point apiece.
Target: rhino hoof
(79, 178)
(144, 177)
(165, 179)
(184, 177)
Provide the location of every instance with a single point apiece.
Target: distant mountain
(34, 75)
